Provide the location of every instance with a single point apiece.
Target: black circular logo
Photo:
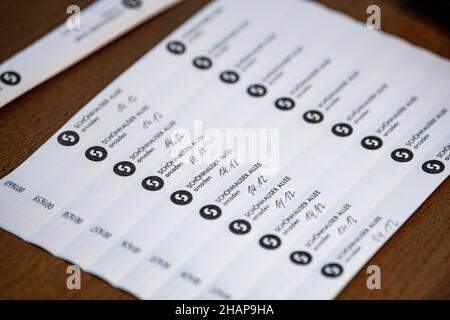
(68, 138)
(124, 168)
(132, 3)
(257, 90)
(372, 143)
(153, 183)
(301, 257)
(342, 129)
(210, 212)
(176, 47)
(285, 103)
(181, 197)
(270, 241)
(10, 78)
(313, 116)
(96, 153)
(402, 155)
(229, 76)
(332, 270)
(240, 226)
(202, 62)
(433, 166)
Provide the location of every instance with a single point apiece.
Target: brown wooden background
(415, 263)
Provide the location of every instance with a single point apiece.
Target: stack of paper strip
(350, 130)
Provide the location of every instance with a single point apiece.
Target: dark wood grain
(415, 263)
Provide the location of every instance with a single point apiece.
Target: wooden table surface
(415, 263)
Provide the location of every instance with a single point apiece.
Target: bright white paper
(100, 23)
(361, 120)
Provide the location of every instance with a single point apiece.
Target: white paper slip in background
(345, 119)
(100, 23)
